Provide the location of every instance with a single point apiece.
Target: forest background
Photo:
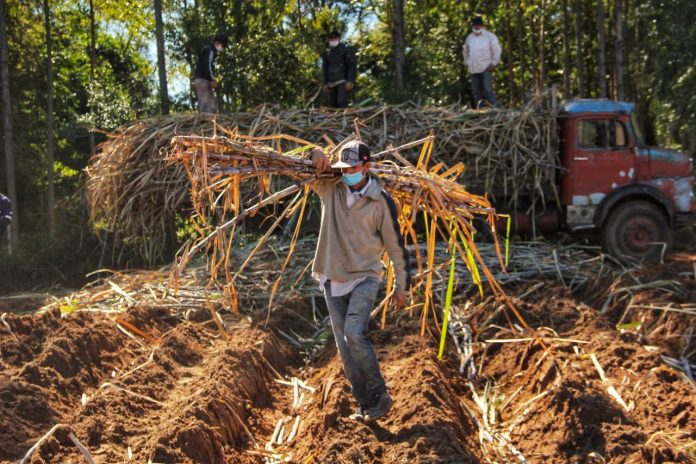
(72, 70)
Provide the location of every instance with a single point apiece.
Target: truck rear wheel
(637, 231)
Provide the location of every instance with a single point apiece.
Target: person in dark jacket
(5, 214)
(340, 67)
(204, 75)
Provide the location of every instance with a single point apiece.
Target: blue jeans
(482, 86)
(349, 317)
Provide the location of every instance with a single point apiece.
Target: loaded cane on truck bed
(572, 168)
(608, 180)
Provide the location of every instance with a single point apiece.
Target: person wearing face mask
(340, 67)
(204, 76)
(481, 56)
(359, 220)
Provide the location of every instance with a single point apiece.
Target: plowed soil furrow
(562, 409)
(427, 423)
(195, 399)
(47, 362)
(186, 393)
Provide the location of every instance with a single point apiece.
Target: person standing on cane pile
(481, 56)
(5, 214)
(204, 75)
(340, 68)
(359, 221)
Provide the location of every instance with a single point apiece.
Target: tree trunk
(239, 20)
(508, 53)
(300, 26)
(161, 63)
(533, 52)
(566, 50)
(236, 85)
(520, 45)
(602, 50)
(618, 49)
(542, 47)
(7, 126)
(398, 45)
(579, 52)
(191, 57)
(92, 62)
(49, 119)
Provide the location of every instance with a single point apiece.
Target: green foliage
(122, 89)
(42, 261)
(666, 61)
(273, 58)
(109, 106)
(273, 51)
(185, 228)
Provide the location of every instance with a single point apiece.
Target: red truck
(610, 181)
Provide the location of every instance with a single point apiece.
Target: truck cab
(611, 181)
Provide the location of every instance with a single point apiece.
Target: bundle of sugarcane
(217, 167)
(134, 194)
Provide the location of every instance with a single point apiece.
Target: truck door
(603, 159)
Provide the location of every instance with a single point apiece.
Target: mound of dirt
(427, 423)
(151, 385)
(657, 304)
(591, 394)
(183, 397)
(47, 362)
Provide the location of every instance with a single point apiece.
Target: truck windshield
(637, 131)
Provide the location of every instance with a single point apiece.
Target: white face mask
(219, 47)
(478, 31)
(333, 43)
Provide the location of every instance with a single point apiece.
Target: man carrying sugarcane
(358, 222)
(481, 55)
(5, 214)
(340, 68)
(204, 75)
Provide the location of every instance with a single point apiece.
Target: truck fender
(636, 191)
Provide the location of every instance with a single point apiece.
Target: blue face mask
(352, 179)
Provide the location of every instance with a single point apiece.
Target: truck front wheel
(637, 231)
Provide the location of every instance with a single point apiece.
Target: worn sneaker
(359, 414)
(383, 406)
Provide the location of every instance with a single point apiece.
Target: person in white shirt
(481, 55)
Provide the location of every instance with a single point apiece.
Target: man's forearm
(394, 244)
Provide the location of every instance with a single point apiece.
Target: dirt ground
(585, 383)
